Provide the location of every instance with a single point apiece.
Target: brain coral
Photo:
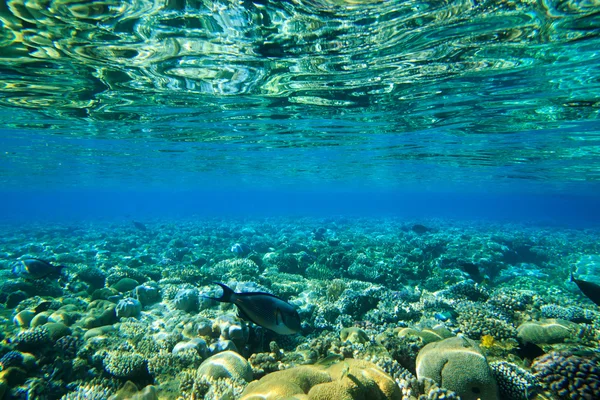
(458, 364)
(227, 364)
(346, 380)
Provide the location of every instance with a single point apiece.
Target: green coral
(166, 364)
(240, 269)
(117, 273)
(335, 289)
(321, 272)
(476, 320)
(123, 364)
(88, 392)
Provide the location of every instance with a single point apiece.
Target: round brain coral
(458, 364)
(227, 364)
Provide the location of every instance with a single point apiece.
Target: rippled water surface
(370, 92)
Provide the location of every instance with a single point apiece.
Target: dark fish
(420, 229)
(241, 249)
(140, 226)
(263, 309)
(590, 289)
(473, 271)
(529, 351)
(33, 268)
(43, 306)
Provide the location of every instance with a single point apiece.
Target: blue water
(420, 109)
(123, 205)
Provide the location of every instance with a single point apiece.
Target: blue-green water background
(458, 109)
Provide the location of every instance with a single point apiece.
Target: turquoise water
(366, 95)
(416, 179)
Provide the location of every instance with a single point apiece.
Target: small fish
(473, 271)
(445, 316)
(330, 360)
(264, 309)
(43, 306)
(420, 229)
(241, 249)
(345, 370)
(33, 268)
(529, 351)
(590, 289)
(140, 226)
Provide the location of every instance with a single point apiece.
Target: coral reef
(131, 306)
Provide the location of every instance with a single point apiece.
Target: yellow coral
(487, 341)
(347, 380)
(285, 384)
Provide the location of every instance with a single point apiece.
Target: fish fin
(225, 297)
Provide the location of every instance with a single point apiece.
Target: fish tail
(226, 296)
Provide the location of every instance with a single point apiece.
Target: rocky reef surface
(390, 309)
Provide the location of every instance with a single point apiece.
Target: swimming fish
(241, 249)
(473, 271)
(264, 309)
(33, 268)
(420, 229)
(43, 306)
(529, 351)
(445, 316)
(590, 289)
(140, 226)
